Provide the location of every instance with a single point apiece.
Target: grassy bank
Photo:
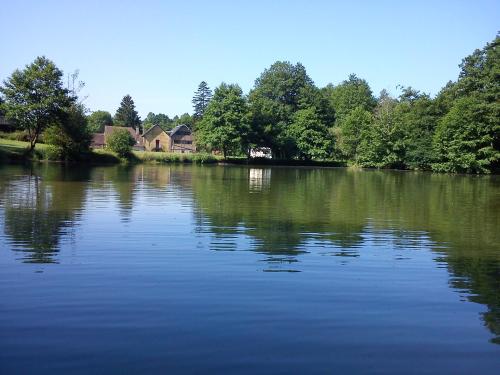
(17, 151)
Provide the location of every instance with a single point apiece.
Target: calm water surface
(187, 269)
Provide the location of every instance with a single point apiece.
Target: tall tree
(467, 138)
(350, 94)
(35, 97)
(224, 126)
(278, 93)
(126, 115)
(201, 98)
(352, 129)
(310, 135)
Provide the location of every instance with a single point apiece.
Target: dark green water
(187, 269)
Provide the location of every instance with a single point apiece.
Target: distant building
(179, 139)
(261, 152)
(156, 139)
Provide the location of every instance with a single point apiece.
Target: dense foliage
(121, 142)
(457, 131)
(159, 119)
(224, 126)
(70, 138)
(98, 120)
(35, 98)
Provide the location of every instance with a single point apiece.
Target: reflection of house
(258, 178)
(99, 139)
(179, 139)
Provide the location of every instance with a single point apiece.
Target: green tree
(71, 136)
(479, 73)
(126, 115)
(310, 135)
(201, 99)
(349, 95)
(98, 120)
(35, 97)
(353, 128)
(224, 126)
(382, 145)
(121, 142)
(159, 119)
(185, 119)
(416, 115)
(278, 93)
(466, 138)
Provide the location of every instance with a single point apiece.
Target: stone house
(179, 139)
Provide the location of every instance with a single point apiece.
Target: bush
(121, 142)
(70, 137)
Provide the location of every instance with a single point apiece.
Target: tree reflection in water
(285, 214)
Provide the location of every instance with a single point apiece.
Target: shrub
(70, 136)
(121, 142)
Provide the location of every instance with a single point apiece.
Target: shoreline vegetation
(12, 151)
(17, 152)
(285, 116)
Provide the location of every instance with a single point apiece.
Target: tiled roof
(151, 128)
(177, 128)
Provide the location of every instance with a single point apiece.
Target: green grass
(11, 150)
(173, 157)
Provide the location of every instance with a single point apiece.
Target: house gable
(156, 139)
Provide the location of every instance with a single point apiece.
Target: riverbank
(17, 152)
(12, 151)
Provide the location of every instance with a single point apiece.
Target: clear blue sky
(158, 51)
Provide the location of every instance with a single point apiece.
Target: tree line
(458, 130)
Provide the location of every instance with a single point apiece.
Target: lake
(247, 270)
